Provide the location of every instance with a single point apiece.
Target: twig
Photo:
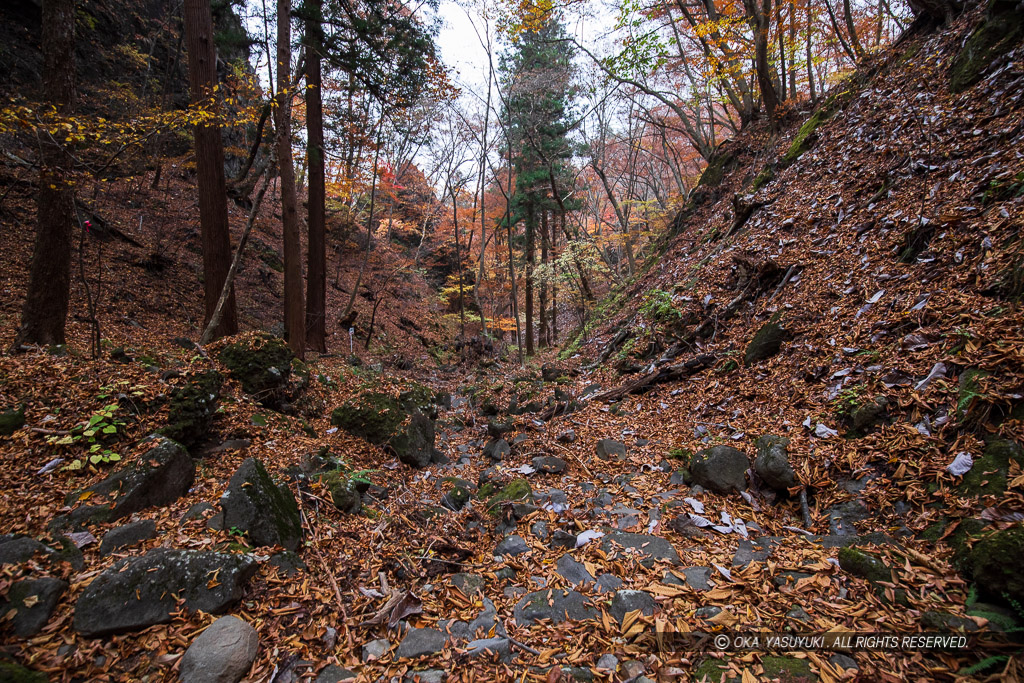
(50, 432)
(524, 647)
(805, 509)
(326, 568)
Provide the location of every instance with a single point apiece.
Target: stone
(697, 578)
(159, 477)
(261, 364)
(548, 464)
(843, 518)
(18, 549)
(765, 344)
(332, 673)
(33, 602)
(196, 511)
(626, 601)
(12, 672)
(139, 592)
(556, 605)
(708, 612)
(497, 429)
(993, 563)
(798, 614)
(608, 583)
(497, 449)
(844, 662)
(868, 414)
(648, 549)
(375, 649)
(516, 491)
(754, 550)
(566, 437)
(421, 641)
(12, 420)
(772, 464)
(428, 676)
(489, 647)
(573, 571)
(287, 562)
(540, 529)
(344, 494)
(722, 469)
(608, 449)
(193, 407)
(386, 422)
(468, 584)
(789, 579)
(563, 539)
(127, 535)
(510, 546)
(223, 653)
(864, 565)
(608, 663)
(266, 512)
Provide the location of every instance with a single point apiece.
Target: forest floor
(900, 348)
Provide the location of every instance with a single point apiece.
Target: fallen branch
(805, 508)
(667, 373)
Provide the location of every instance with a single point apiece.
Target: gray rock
(139, 592)
(844, 517)
(34, 601)
(287, 562)
(843, 662)
(563, 539)
(468, 584)
(721, 469)
(333, 673)
(626, 601)
(608, 583)
(375, 649)
(697, 578)
(608, 662)
(789, 578)
(540, 529)
(568, 436)
(548, 464)
(265, 512)
(428, 676)
(497, 646)
(609, 448)
(487, 620)
(647, 548)
(159, 477)
(497, 449)
(510, 546)
(798, 614)
(772, 464)
(765, 344)
(708, 612)
(18, 549)
(223, 653)
(867, 415)
(756, 550)
(558, 606)
(196, 511)
(421, 641)
(572, 571)
(127, 535)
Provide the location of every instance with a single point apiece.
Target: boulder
(421, 641)
(17, 549)
(765, 344)
(223, 653)
(384, 421)
(864, 565)
(646, 548)
(497, 449)
(33, 602)
(511, 546)
(267, 513)
(159, 477)
(192, 409)
(12, 672)
(12, 420)
(127, 535)
(610, 448)
(139, 592)
(556, 605)
(332, 673)
(517, 491)
(489, 647)
(262, 365)
(993, 565)
(548, 464)
(772, 464)
(626, 601)
(721, 469)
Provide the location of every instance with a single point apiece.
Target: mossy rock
(192, 409)
(721, 163)
(960, 541)
(261, 364)
(344, 493)
(788, 669)
(994, 565)
(988, 475)
(807, 135)
(712, 670)
(765, 344)
(372, 416)
(862, 418)
(1000, 31)
(766, 175)
(266, 512)
(970, 404)
(864, 565)
(12, 420)
(516, 491)
(12, 672)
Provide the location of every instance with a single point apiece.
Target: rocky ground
(803, 417)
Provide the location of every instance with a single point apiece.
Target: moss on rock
(262, 364)
(1000, 31)
(765, 344)
(863, 565)
(994, 565)
(516, 491)
(12, 420)
(788, 669)
(988, 475)
(371, 416)
(192, 409)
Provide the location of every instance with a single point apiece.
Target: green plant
(848, 401)
(658, 306)
(101, 428)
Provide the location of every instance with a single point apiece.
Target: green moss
(806, 136)
(262, 365)
(960, 541)
(988, 475)
(372, 416)
(995, 567)
(12, 420)
(860, 563)
(765, 344)
(712, 670)
(516, 491)
(12, 672)
(192, 409)
(788, 669)
(766, 175)
(1000, 31)
(720, 163)
(683, 455)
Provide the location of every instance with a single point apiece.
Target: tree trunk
(213, 208)
(49, 284)
(294, 315)
(810, 54)
(759, 19)
(851, 28)
(316, 269)
(531, 229)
